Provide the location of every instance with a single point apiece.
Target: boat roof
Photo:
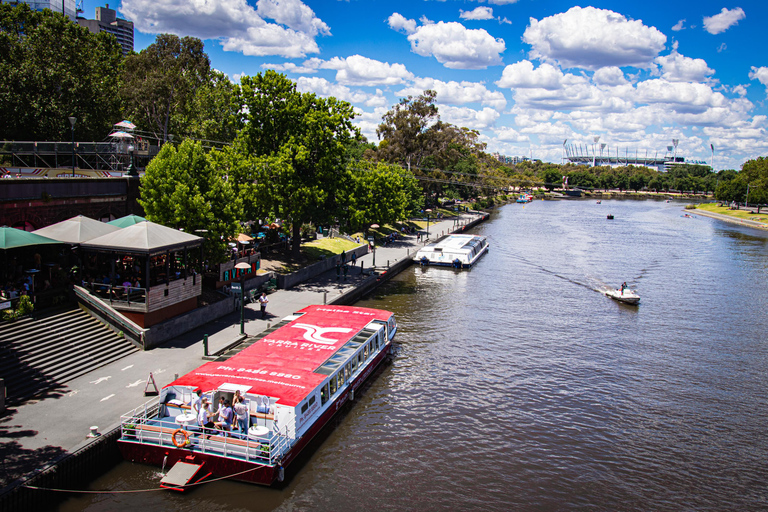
(283, 364)
(453, 243)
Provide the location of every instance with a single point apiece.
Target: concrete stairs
(39, 354)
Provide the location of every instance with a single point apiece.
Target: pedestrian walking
(263, 303)
(354, 259)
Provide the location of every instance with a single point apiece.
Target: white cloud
(678, 68)
(326, 89)
(399, 22)
(680, 25)
(359, 70)
(457, 93)
(501, 2)
(452, 44)
(471, 118)
(234, 23)
(761, 75)
(309, 66)
(294, 14)
(609, 76)
(478, 13)
(724, 20)
(682, 97)
(522, 74)
(592, 38)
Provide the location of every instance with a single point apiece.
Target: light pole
(242, 267)
(428, 210)
(72, 121)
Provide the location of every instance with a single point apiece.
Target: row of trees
(291, 160)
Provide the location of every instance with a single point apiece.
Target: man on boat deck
(225, 417)
(204, 416)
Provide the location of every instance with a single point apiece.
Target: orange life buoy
(184, 437)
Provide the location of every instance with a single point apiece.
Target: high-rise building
(107, 21)
(69, 7)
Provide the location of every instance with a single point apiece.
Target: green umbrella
(128, 220)
(11, 238)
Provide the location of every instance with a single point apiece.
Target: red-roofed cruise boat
(293, 379)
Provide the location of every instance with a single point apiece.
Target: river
(519, 386)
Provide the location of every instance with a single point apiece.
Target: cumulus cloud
(724, 20)
(478, 13)
(309, 66)
(465, 116)
(679, 25)
(359, 70)
(682, 97)
(679, 68)
(399, 22)
(609, 76)
(592, 38)
(761, 75)
(234, 23)
(452, 44)
(324, 88)
(457, 93)
(522, 74)
(294, 14)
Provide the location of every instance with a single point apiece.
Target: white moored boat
(293, 380)
(625, 295)
(458, 251)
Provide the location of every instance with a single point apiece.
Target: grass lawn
(739, 214)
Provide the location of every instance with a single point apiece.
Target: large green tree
(405, 130)
(379, 193)
(296, 144)
(183, 188)
(51, 69)
(161, 82)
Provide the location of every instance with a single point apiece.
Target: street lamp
(242, 267)
(72, 121)
(428, 210)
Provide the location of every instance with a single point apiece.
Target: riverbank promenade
(38, 432)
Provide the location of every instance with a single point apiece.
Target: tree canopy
(160, 83)
(51, 69)
(296, 143)
(183, 188)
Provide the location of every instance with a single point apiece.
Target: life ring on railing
(184, 437)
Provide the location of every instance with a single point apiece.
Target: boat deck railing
(145, 426)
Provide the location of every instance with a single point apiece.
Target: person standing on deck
(241, 411)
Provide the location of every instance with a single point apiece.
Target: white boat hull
(626, 296)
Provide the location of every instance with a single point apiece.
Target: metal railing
(118, 294)
(145, 426)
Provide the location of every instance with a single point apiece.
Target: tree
(405, 128)
(380, 193)
(214, 113)
(182, 189)
(552, 178)
(160, 83)
(298, 142)
(51, 69)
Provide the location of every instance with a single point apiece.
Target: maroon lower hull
(236, 469)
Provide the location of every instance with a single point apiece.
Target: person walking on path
(263, 303)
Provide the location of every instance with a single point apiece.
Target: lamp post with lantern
(72, 121)
(242, 267)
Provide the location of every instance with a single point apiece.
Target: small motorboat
(624, 295)
(610, 216)
(599, 202)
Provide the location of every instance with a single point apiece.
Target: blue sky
(526, 74)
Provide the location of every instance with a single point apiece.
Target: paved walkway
(37, 432)
(730, 219)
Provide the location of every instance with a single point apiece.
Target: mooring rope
(142, 490)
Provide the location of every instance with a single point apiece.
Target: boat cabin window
(333, 384)
(324, 394)
(304, 407)
(311, 399)
(365, 352)
(348, 371)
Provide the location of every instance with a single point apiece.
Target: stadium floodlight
(674, 143)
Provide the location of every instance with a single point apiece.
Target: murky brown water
(518, 386)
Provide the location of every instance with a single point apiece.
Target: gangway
(184, 473)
